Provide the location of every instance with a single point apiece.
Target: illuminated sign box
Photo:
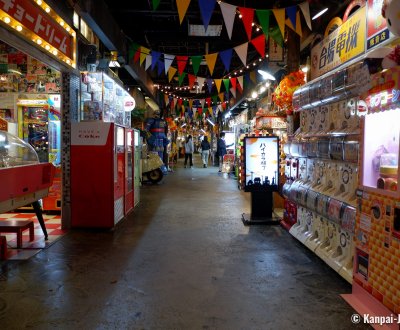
(261, 156)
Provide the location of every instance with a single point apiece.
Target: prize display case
(23, 178)
(102, 154)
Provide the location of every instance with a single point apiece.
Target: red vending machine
(97, 174)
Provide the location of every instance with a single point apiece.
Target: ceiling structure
(160, 30)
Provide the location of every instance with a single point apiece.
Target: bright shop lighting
(210, 121)
(266, 75)
(323, 11)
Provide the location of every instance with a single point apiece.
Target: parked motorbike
(152, 167)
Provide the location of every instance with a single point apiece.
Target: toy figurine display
(156, 138)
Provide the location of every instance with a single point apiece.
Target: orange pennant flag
(280, 18)
(221, 96)
(211, 59)
(171, 73)
(218, 84)
(182, 8)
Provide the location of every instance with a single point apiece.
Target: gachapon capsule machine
(376, 271)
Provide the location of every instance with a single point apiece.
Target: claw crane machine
(376, 271)
(102, 154)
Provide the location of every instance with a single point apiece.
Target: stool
(18, 226)
(3, 247)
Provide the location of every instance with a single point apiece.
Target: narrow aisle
(182, 260)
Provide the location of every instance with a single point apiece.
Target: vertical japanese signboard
(342, 45)
(377, 31)
(261, 160)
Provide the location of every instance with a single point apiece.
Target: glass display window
(381, 150)
(15, 151)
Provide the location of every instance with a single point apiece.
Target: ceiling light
(210, 121)
(320, 13)
(266, 75)
(19, 28)
(254, 95)
(7, 19)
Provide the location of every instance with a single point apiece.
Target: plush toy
(391, 12)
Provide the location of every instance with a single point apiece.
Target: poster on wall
(377, 31)
(275, 52)
(261, 161)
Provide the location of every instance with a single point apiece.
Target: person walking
(189, 148)
(221, 149)
(205, 151)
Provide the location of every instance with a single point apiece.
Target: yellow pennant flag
(253, 77)
(280, 18)
(171, 73)
(218, 84)
(298, 24)
(182, 8)
(190, 103)
(210, 111)
(143, 54)
(211, 59)
(221, 97)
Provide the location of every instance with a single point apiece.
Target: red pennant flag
(247, 19)
(233, 82)
(208, 101)
(192, 79)
(180, 102)
(224, 105)
(136, 58)
(259, 44)
(182, 61)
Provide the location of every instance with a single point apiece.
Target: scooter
(152, 167)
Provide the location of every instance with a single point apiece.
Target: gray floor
(182, 260)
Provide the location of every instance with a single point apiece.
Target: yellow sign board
(342, 45)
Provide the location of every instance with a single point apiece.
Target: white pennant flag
(175, 101)
(229, 14)
(201, 81)
(202, 103)
(241, 50)
(168, 59)
(233, 91)
(240, 81)
(305, 9)
(148, 61)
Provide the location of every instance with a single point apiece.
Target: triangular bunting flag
(154, 58)
(148, 62)
(259, 44)
(160, 67)
(143, 54)
(226, 84)
(168, 59)
(276, 35)
(208, 101)
(136, 58)
(226, 57)
(221, 96)
(233, 82)
(241, 50)
(182, 8)
(247, 19)
(181, 62)
(263, 19)
(191, 105)
(181, 78)
(233, 91)
(291, 14)
(155, 4)
(210, 60)
(202, 103)
(192, 79)
(171, 73)
(209, 84)
(240, 81)
(166, 99)
(253, 77)
(133, 48)
(229, 13)
(305, 9)
(201, 80)
(206, 10)
(218, 83)
(196, 60)
(299, 30)
(280, 18)
(214, 99)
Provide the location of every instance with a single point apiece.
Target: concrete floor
(182, 260)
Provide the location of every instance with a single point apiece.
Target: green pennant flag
(132, 50)
(186, 103)
(155, 4)
(181, 78)
(214, 98)
(275, 33)
(226, 84)
(196, 60)
(263, 18)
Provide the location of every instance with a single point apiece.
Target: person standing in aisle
(205, 151)
(221, 149)
(189, 148)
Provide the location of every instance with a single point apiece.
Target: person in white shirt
(189, 149)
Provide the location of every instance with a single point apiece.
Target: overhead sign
(342, 45)
(129, 103)
(377, 31)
